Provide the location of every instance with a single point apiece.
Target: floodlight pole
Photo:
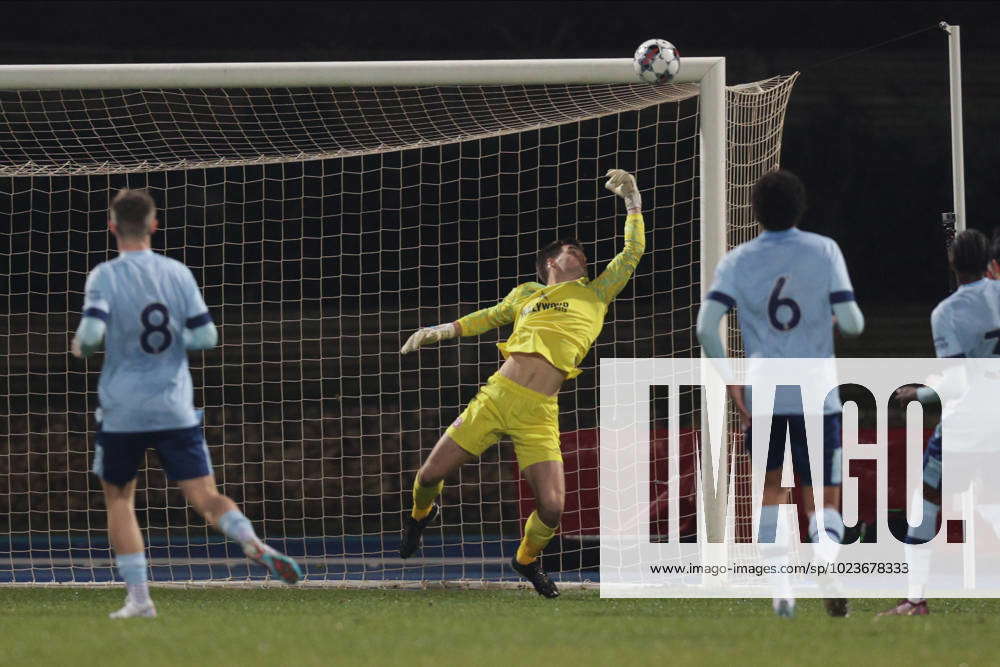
(957, 146)
(958, 187)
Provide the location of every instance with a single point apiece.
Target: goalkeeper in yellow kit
(555, 324)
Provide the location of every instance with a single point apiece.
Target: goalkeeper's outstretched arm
(472, 324)
(428, 335)
(620, 269)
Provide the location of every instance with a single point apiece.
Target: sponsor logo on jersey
(561, 306)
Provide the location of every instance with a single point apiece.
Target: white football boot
(133, 610)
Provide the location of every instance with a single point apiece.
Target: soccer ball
(656, 60)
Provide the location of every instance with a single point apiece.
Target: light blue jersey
(146, 300)
(967, 323)
(784, 285)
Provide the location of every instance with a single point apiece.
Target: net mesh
(324, 227)
(755, 121)
(112, 132)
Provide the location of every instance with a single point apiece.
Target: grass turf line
(440, 627)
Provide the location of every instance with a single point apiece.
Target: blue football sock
(773, 546)
(927, 528)
(132, 568)
(833, 525)
(767, 532)
(234, 525)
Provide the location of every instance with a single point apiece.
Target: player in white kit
(148, 310)
(785, 285)
(965, 324)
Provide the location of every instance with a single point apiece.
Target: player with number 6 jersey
(151, 312)
(786, 284)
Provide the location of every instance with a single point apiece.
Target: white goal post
(312, 200)
(342, 74)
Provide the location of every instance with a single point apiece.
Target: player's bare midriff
(534, 372)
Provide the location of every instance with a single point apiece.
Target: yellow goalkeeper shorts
(503, 407)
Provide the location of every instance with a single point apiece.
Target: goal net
(325, 224)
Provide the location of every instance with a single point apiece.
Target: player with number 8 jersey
(145, 383)
(151, 312)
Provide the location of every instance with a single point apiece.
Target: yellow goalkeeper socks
(423, 498)
(536, 536)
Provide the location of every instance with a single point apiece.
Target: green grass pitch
(474, 627)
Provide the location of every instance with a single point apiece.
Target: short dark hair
(132, 211)
(969, 253)
(548, 252)
(995, 244)
(778, 199)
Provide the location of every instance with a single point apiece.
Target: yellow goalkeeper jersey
(561, 321)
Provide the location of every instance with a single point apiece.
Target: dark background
(869, 134)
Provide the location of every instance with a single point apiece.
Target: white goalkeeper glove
(623, 184)
(428, 335)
